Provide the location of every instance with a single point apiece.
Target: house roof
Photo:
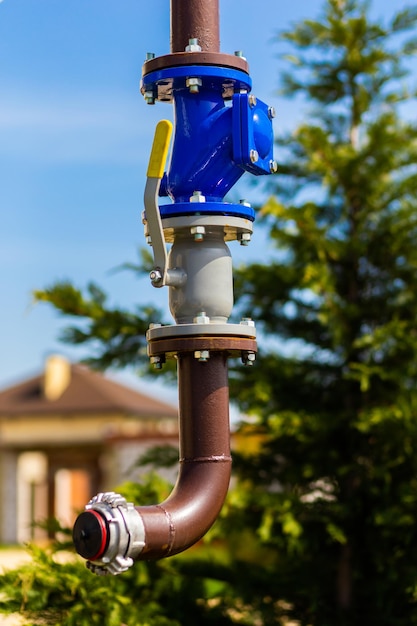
(87, 392)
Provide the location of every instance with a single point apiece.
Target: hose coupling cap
(109, 533)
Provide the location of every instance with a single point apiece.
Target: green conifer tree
(334, 489)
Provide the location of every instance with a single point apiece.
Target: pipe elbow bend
(190, 511)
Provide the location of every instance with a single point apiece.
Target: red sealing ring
(104, 537)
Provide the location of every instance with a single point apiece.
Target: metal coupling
(109, 533)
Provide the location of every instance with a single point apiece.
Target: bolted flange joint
(109, 533)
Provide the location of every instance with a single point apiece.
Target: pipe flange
(209, 208)
(109, 534)
(231, 346)
(233, 228)
(176, 59)
(243, 330)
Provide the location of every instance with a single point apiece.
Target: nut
(194, 84)
(202, 355)
(155, 276)
(247, 321)
(273, 166)
(157, 362)
(149, 97)
(193, 45)
(201, 318)
(244, 239)
(248, 358)
(198, 232)
(197, 197)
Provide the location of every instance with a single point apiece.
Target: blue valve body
(220, 132)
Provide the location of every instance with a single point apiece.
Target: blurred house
(66, 435)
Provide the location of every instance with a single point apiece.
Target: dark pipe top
(195, 19)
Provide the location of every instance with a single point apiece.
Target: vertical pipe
(204, 407)
(195, 19)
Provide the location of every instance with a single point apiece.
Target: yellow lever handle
(159, 152)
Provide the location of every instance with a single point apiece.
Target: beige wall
(32, 494)
(8, 496)
(65, 457)
(40, 430)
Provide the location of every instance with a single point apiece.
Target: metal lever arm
(160, 275)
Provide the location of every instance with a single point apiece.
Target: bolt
(248, 358)
(247, 321)
(155, 276)
(202, 355)
(143, 216)
(244, 239)
(198, 232)
(244, 202)
(254, 156)
(201, 318)
(150, 55)
(193, 45)
(197, 197)
(273, 166)
(252, 101)
(271, 113)
(157, 362)
(149, 97)
(194, 84)
(239, 53)
(154, 325)
(149, 240)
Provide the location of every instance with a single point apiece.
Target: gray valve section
(207, 265)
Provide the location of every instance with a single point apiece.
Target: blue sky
(75, 136)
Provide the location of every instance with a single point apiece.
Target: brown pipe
(195, 19)
(205, 461)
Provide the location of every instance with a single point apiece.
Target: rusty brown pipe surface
(195, 19)
(111, 533)
(205, 461)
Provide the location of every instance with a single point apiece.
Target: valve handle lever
(160, 275)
